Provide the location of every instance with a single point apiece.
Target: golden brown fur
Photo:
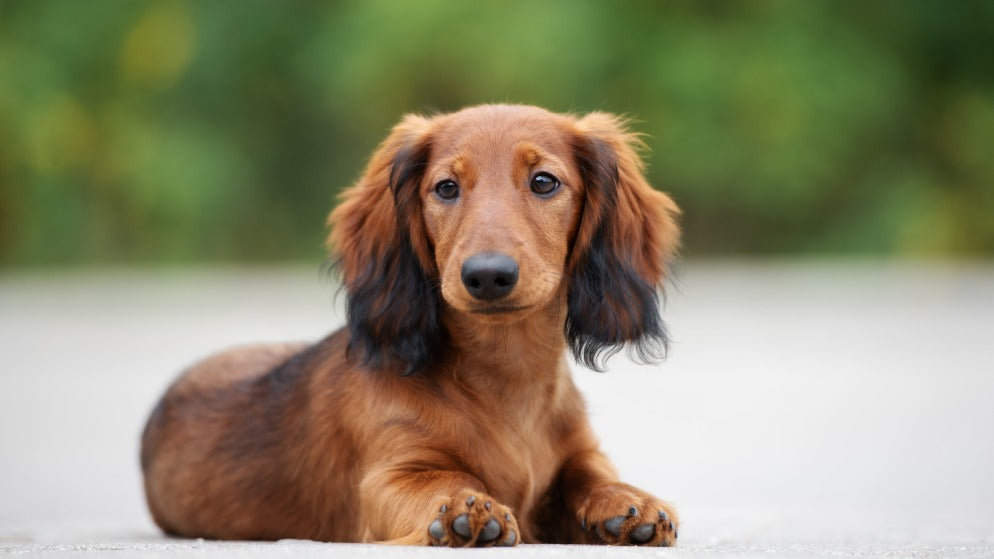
(436, 416)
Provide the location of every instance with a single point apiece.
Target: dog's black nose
(489, 275)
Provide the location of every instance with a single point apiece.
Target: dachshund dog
(477, 247)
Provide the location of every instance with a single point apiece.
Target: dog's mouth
(497, 309)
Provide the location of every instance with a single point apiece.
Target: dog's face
(501, 197)
(497, 211)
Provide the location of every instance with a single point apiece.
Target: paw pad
(642, 533)
(490, 530)
(461, 526)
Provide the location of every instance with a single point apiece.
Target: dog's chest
(515, 458)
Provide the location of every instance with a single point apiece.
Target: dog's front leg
(416, 506)
(611, 512)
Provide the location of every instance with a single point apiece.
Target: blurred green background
(172, 131)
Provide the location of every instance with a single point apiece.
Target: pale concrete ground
(806, 410)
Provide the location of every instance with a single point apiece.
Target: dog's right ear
(379, 244)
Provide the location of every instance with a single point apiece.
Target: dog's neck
(501, 357)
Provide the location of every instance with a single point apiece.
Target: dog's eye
(544, 183)
(447, 189)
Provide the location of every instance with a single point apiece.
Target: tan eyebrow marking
(528, 155)
(459, 166)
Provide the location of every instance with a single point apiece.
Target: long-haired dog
(476, 248)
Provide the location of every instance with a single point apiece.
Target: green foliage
(180, 131)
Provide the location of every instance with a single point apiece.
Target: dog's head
(499, 212)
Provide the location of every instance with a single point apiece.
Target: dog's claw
(490, 530)
(488, 505)
(461, 526)
(632, 511)
(470, 501)
(444, 509)
(436, 530)
(662, 516)
(613, 525)
(642, 533)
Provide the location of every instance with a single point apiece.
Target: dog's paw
(473, 519)
(619, 514)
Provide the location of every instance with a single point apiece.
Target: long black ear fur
(393, 302)
(611, 303)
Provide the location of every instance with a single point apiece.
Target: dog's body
(476, 248)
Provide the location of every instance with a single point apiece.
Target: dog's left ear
(379, 243)
(626, 237)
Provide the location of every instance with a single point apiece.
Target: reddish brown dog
(477, 247)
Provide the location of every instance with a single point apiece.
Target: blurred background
(166, 168)
(173, 131)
